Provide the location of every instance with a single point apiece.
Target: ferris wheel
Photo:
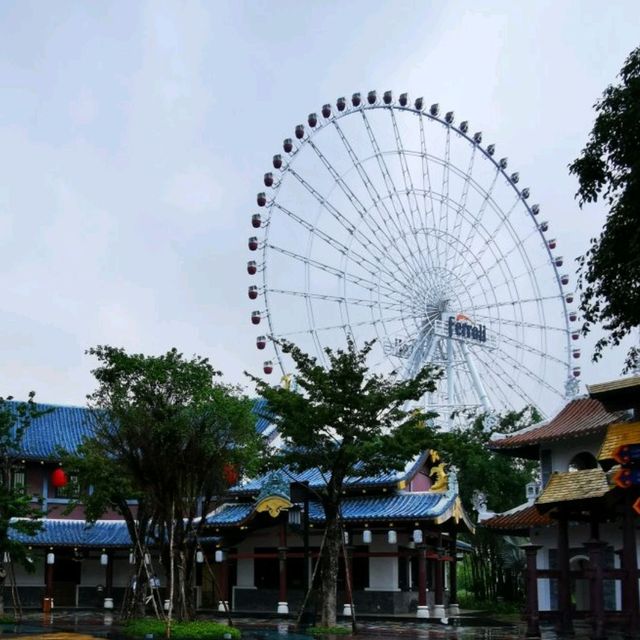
(384, 220)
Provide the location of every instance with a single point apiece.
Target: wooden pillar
(565, 622)
(224, 578)
(453, 575)
(423, 609)
(438, 609)
(283, 606)
(532, 613)
(630, 566)
(595, 549)
(108, 578)
(49, 580)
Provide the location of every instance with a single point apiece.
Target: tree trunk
(329, 569)
(3, 573)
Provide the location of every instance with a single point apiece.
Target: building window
(582, 461)
(71, 490)
(18, 478)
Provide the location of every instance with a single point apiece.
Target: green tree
(346, 422)
(609, 168)
(164, 430)
(492, 566)
(18, 513)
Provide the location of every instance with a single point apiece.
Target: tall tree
(492, 564)
(164, 429)
(609, 168)
(346, 422)
(18, 512)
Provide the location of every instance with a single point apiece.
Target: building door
(66, 577)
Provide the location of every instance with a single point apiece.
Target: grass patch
(195, 630)
(325, 631)
(7, 620)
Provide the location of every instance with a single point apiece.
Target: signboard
(463, 329)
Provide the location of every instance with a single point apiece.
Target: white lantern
(366, 536)
(199, 556)
(392, 537)
(417, 536)
(219, 557)
(51, 558)
(132, 558)
(147, 558)
(104, 559)
(7, 557)
(346, 537)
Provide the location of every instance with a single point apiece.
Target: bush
(321, 631)
(196, 630)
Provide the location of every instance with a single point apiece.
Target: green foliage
(163, 430)
(347, 423)
(609, 168)
(344, 420)
(334, 631)
(18, 512)
(501, 478)
(495, 566)
(195, 630)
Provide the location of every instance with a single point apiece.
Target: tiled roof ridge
(580, 416)
(53, 405)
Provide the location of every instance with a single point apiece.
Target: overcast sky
(134, 138)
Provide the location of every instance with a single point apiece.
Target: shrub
(195, 630)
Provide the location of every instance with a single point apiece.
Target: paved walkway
(84, 625)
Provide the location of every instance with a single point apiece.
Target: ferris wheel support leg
(450, 381)
(477, 383)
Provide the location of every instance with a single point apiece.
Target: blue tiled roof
(230, 514)
(262, 423)
(404, 506)
(77, 533)
(315, 479)
(62, 427)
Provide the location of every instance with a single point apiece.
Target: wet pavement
(91, 624)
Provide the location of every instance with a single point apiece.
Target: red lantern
(59, 478)
(230, 474)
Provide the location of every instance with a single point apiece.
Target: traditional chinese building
(582, 556)
(400, 534)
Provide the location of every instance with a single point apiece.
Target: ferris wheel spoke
(361, 302)
(487, 198)
(375, 268)
(530, 349)
(361, 323)
(530, 374)
(503, 220)
(461, 205)
(357, 280)
(353, 199)
(426, 176)
(410, 192)
(376, 199)
(500, 382)
(511, 303)
(392, 192)
(523, 323)
(443, 223)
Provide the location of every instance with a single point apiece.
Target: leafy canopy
(18, 512)
(609, 168)
(501, 478)
(344, 420)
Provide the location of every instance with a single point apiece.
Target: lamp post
(299, 491)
